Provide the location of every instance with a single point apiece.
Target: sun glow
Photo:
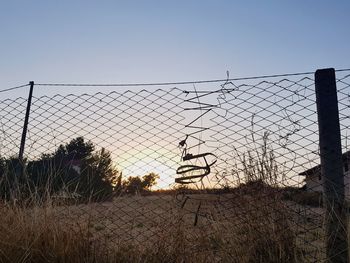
(139, 163)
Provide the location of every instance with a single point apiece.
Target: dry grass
(34, 235)
(252, 229)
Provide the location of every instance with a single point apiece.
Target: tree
(77, 149)
(75, 167)
(99, 175)
(135, 184)
(149, 180)
(11, 179)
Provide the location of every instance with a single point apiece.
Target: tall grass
(36, 234)
(258, 230)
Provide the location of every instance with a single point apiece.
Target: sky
(85, 41)
(154, 41)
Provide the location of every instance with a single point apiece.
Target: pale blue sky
(154, 41)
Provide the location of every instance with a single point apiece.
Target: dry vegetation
(252, 223)
(245, 228)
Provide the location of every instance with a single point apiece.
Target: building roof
(314, 170)
(311, 171)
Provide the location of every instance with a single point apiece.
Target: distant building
(313, 177)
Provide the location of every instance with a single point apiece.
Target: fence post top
(323, 70)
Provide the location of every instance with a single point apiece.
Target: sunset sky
(151, 41)
(162, 41)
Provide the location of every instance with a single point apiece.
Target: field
(249, 227)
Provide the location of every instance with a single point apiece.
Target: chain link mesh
(238, 163)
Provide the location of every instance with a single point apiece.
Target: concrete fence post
(331, 165)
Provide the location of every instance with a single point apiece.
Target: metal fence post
(25, 125)
(331, 165)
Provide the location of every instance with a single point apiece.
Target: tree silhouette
(133, 185)
(11, 180)
(75, 168)
(149, 180)
(137, 185)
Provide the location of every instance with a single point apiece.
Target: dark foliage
(75, 167)
(135, 184)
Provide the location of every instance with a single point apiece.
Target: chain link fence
(225, 171)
